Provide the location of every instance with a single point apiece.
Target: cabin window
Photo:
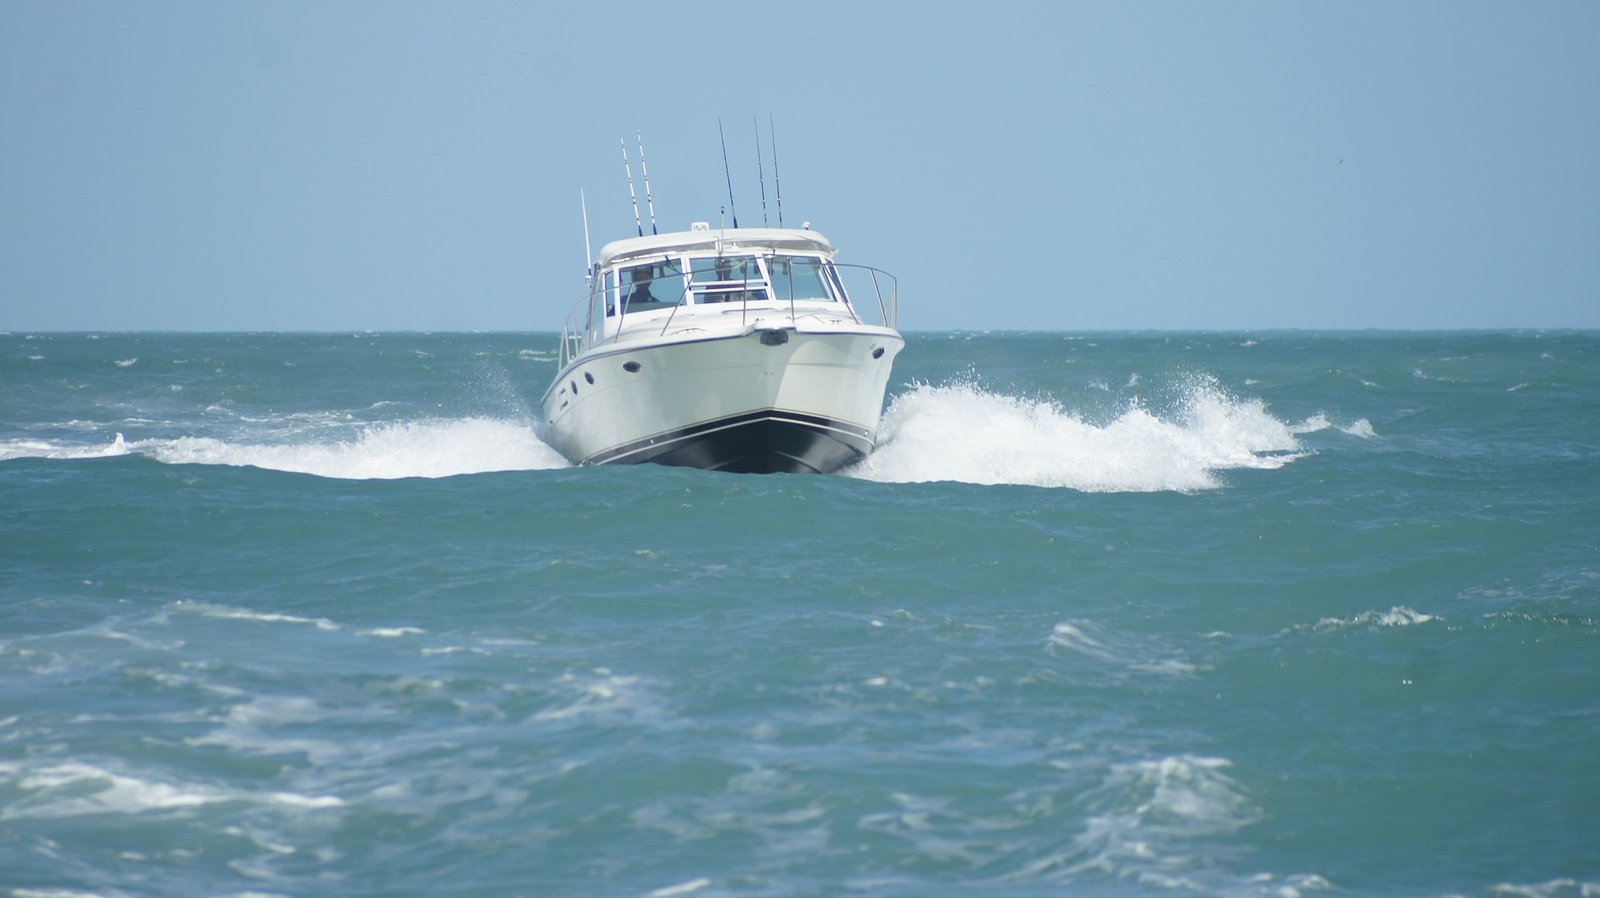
(798, 279)
(727, 279)
(657, 285)
(725, 269)
(611, 294)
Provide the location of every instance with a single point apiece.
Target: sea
(1277, 613)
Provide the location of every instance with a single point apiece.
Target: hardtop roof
(730, 240)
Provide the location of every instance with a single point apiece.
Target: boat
(745, 349)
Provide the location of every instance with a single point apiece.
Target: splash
(964, 432)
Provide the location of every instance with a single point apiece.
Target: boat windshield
(657, 285)
(663, 283)
(798, 279)
(727, 279)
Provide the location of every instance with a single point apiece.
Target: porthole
(877, 353)
(588, 377)
(574, 388)
(631, 367)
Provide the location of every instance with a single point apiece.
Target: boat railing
(585, 327)
(577, 332)
(861, 281)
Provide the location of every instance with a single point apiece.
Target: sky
(394, 165)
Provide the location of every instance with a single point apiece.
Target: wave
(1119, 650)
(1162, 822)
(1360, 427)
(10, 449)
(1398, 616)
(964, 432)
(70, 789)
(429, 448)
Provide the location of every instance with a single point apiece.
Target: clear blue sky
(400, 165)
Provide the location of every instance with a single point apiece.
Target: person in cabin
(640, 291)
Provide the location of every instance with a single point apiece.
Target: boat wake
(964, 432)
(386, 451)
(952, 432)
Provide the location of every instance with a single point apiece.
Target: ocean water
(1274, 614)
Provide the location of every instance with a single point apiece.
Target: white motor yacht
(743, 349)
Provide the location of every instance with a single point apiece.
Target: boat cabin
(658, 284)
(702, 268)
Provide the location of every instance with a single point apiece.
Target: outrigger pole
(638, 226)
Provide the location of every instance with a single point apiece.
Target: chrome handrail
(888, 312)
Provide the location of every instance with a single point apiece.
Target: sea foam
(29, 448)
(72, 789)
(428, 448)
(432, 448)
(964, 432)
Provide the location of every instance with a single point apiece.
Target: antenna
(649, 203)
(588, 257)
(629, 169)
(727, 174)
(760, 175)
(775, 182)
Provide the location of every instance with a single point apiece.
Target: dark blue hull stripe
(764, 442)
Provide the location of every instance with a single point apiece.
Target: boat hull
(764, 442)
(757, 401)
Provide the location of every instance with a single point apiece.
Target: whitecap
(682, 888)
(1398, 616)
(53, 449)
(250, 726)
(75, 788)
(1071, 636)
(268, 617)
(598, 694)
(1312, 424)
(1360, 427)
(1547, 889)
(1146, 817)
(1120, 650)
(393, 632)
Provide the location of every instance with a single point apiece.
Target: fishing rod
(775, 182)
(760, 174)
(638, 226)
(727, 174)
(649, 203)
